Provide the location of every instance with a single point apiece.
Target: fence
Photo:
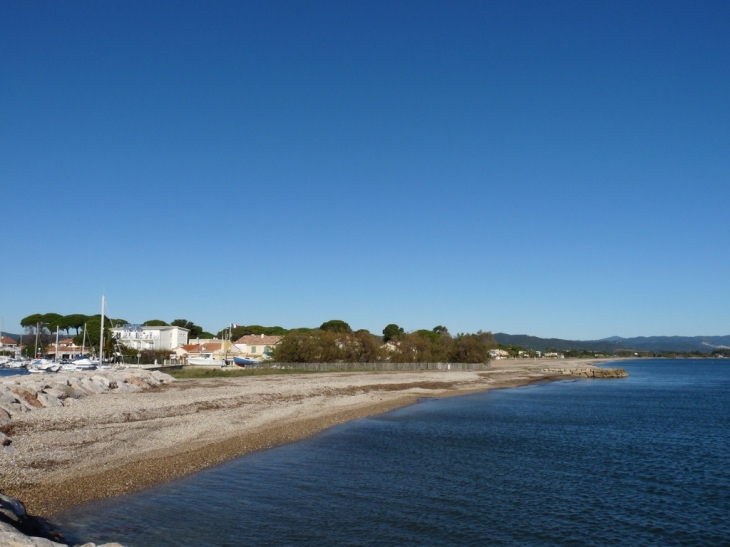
(384, 366)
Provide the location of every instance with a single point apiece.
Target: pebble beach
(72, 438)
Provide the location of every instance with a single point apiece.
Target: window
(253, 349)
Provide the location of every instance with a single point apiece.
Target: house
(8, 343)
(218, 349)
(150, 338)
(391, 346)
(66, 350)
(257, 345)
(498, 354)
(8, 346)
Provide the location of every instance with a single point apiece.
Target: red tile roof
(259, 339)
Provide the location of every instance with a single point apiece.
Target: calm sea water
(639, 461)
(11, 372)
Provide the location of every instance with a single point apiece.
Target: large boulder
(26, 398)
(4, 417)
(18, 529)
(48, 400)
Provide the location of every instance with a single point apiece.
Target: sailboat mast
(101, 336)
(55, 355)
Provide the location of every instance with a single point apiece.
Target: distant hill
(15, 337)
(704, 344)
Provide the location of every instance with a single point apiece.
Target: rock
(102, 380)
(90, 386)
(126, 387)
(4, 416)
(17, 528)
(138, 382)
(26, 398)
(12, 506)
(26, 393)
(609, 373)
(48, 400)
(13, 408)
(13, 538)
(62, 389)
(57, 393)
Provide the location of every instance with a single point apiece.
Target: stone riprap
(588, 372)
(25, 393)
(18, 529)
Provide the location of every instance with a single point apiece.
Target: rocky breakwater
(587, 372)
(19, 394)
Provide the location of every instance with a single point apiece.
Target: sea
(12, 372)
(640, 461)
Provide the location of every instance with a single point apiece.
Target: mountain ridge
(703, 344)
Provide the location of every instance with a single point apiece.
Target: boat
(84, 363)
(43, 366)
(246, 361)
(16, 363)
(206, 359)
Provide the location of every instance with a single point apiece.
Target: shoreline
(116, 443)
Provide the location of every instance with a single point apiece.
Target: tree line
(334, 341)
(87, 329)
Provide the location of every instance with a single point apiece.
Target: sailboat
(41, 365)
(115, 358)
(83, 362)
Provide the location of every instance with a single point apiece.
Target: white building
(150, 338)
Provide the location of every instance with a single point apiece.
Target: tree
(362, 347)
(472, 348)
(155, 323)
(31, 322)
(317, 346)
(243, 330)
(36, 326)
(194, 329)
(93, 333)
(414, 347)
(335, 325)
(392, 332)
(427, 334)
(74, 321)
(51, 320)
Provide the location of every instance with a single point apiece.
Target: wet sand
(110, 444)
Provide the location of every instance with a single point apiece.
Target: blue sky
(560, 169)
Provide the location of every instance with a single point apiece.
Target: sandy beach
(113, 443)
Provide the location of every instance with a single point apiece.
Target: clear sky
(560, 169)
